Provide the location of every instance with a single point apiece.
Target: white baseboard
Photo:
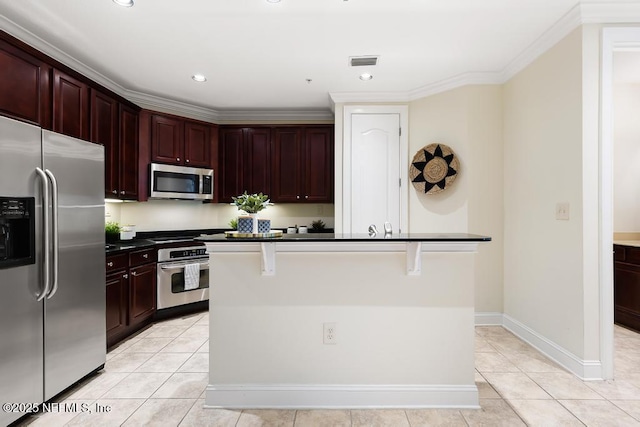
(489, 319)
(294, 396)
(584, 369)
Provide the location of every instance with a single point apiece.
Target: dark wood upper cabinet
(245, 161)
(197, 145)
(303, 164)
(167, 143)
(24, 86)
(70, 106)
(116, 127)
(128, 172)
(231, 161)
(318, 164)
(288, 165)
(104, 130)
(257, 164)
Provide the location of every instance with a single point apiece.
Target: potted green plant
(317, 226)
(112, 231)
(233, 223)
(251, 204)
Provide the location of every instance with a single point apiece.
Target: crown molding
(47, 48)
(585, 12)
(171, 106)
(616, 12)
(569, 22)
(276, 115)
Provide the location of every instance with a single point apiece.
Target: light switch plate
(562, 211)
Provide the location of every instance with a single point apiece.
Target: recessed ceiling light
(125, 3)
(366, 76)
(199, 78)
(273, 1)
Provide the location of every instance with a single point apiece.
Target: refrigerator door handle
(54, 231)
(45, 244)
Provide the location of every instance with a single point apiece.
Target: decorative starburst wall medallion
(434, 168)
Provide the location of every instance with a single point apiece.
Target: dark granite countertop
(126, 245)
(380, 237)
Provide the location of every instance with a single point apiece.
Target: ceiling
(258, 55)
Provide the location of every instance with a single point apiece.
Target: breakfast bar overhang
(342, 321)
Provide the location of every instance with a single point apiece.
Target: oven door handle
(177, 265)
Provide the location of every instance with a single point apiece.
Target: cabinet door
(104, 131)
(318, 165)
(256, 171)
(167, 141)
(70, 106)
(197, 145)
(626, 295)
(128, 177)
(116, 304)
(24, 86)
(230, 160)
(142, 293)
(287, 170)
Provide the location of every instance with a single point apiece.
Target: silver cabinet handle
(297, 197)
(125, 276)
(54, 232)
(45, 229)
(187, 160)
(133, 273)
(178, 159)
(114, 191)
(122, 192)
(145, 256)
(306, 197)
(110, 264)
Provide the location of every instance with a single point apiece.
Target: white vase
(254, 217)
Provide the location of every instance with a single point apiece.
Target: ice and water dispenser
(17, 231)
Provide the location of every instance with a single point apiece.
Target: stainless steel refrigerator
(52, 263)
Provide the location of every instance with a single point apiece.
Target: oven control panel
(188, 253)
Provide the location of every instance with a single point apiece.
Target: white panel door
(375, 171)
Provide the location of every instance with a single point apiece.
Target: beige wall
(543, 161)
(469, 120)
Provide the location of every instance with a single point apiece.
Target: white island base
(403, 322)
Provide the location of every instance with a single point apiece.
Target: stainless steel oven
(183, 276)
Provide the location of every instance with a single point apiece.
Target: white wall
(163, 215)
(626, 157)
(543, 165)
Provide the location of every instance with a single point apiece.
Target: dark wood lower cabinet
(117, 289)
(626, 286)
(142, 293)
(130, 293)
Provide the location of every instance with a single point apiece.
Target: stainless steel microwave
(180, 182)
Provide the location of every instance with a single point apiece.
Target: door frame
(613, 39)
(403, 112)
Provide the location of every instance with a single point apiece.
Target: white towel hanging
(191, 276)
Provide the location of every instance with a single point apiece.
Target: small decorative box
(264, 225)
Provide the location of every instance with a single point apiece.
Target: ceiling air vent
(362, 61)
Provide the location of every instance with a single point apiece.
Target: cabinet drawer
(117, 262)
(142, 257)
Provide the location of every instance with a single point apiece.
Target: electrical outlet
(329, 333)
(562, 211)
(320, 210)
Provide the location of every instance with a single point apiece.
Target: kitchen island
(342, 321)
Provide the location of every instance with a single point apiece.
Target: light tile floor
(158, 378)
